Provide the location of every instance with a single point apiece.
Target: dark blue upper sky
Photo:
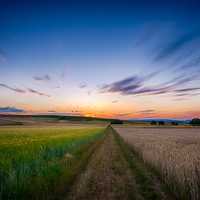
(98, 44)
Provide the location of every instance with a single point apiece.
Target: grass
(37, 162)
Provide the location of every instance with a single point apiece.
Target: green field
(39, 162)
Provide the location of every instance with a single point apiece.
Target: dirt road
(110, 175)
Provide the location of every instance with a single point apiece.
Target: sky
(115, 59)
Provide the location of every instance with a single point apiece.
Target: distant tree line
(116, 121)
(157, 123)
(195, 122)
(161, 123)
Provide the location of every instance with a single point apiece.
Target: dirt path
(109, 176)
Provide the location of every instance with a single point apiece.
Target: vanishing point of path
(112, 173)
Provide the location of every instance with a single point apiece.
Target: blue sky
(106, 58)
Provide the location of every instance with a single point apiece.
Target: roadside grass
(147, 181)
(40, 163)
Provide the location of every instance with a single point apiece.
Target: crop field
(172, 152)
(38, 161)
(92, 161)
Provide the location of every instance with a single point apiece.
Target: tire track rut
(109, 176)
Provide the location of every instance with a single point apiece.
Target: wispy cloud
(128, 85)
(194, 62)
(167, 87)
(18, 90)
(176, 45)
(188, 89)
(136, 85)
(124, 114)
(12, 88)
(82, 85)
(3, 56)
(115, 101)
(11, 110)
(182, 95)
(42, 78)
(38, 93)
(180, 99)
(146, 33)
(148, 111)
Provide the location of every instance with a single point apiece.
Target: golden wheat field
(174, 153)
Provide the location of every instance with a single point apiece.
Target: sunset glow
(110, 60)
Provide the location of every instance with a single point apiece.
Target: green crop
(33, 159)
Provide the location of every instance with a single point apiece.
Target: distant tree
(195, 122)
(153, 122)
(116, 121)
(161, 123)
(174, 123)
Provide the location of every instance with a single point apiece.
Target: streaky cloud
(147, 33)
(124, 114)
(38, 93)
(148, 111)
(176, 45)
(115, 101)
(18, 90)
(188, 89)
(82, 85)
(12, 88)
(42, 78)
(3, 56)
(11, 110)
(136, 85)
(192, 63)
(127, 85)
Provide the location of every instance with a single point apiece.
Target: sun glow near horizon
(105, 61)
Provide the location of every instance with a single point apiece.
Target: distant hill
(70, 118)
(32, 119)
(14, 119)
